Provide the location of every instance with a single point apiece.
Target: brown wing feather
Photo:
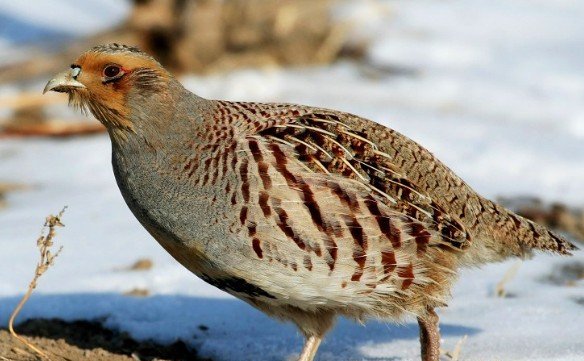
(338, 143)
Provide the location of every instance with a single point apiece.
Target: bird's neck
(161, 119)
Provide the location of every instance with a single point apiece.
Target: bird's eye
(111, 70)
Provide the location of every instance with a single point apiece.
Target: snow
(495, 89)
(66, 16)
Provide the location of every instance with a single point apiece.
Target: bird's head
(106, 80)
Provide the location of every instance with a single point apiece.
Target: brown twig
(52, 128)
(509, 275)
(44, 244)
(26, 100)
(455, 354)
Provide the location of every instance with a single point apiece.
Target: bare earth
(86, 340)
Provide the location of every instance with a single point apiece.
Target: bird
(307, 214)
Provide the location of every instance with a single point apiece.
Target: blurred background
(494, 88)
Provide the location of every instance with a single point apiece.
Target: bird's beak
(63, 82)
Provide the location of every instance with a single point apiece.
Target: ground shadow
(223, 329)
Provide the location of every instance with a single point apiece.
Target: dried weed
(47, 259)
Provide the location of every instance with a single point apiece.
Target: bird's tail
(506, 234)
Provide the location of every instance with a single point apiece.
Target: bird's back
(400, 173)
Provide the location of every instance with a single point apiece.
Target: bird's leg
(313, 325)
(429, 336)
(310, 348)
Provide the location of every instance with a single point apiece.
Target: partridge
(304, 213)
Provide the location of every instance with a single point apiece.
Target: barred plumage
(304, 213)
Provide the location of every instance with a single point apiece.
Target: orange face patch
(112, 91)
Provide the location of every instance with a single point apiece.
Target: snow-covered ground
(495, 88)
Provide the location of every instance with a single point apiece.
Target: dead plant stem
(44, 244)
